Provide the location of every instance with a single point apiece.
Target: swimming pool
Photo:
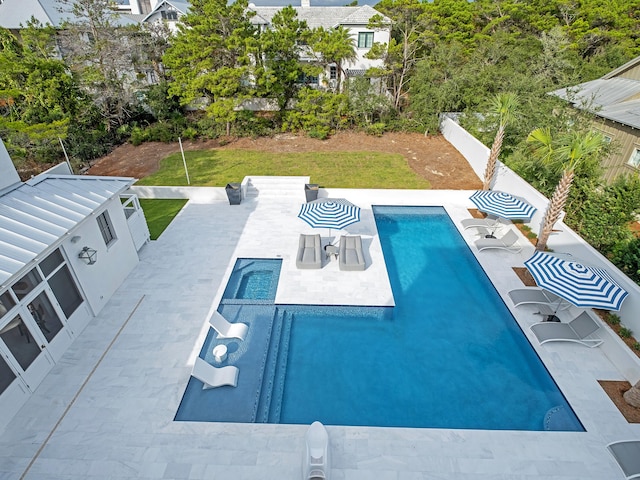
(450, 355)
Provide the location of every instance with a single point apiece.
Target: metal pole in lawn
(184, 162)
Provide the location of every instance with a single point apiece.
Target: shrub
(137, 136)
(321, 133)
(636, 346)
(376, 129)
(613, 319)
(625, 332)
(626, 256)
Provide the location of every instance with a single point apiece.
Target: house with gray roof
(615, 100)
(14, 14)
(67, 242)
(353, 19)
(168, 11)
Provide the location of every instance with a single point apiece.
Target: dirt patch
(431, 157)
(615, 389)
(525, 276)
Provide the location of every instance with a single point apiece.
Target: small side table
(219, 353)
(331, 250)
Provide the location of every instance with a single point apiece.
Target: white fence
(562, 240)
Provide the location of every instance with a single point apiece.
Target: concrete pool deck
(106, 409)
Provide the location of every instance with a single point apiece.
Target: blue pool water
(449, 355)
(253, 278)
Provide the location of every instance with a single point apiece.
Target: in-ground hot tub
(253, 279)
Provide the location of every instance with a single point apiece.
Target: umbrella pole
(553, 317)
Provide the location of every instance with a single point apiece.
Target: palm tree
(504, 105)
(568, 152)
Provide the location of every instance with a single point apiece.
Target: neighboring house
(168, 11)
(354, 19)
(67, 242)
(14, 14)
(615, 99)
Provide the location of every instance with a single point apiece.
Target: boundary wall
(562, 240)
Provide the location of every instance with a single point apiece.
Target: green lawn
(159, 213)
(216, 168)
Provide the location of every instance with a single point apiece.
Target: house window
(169, 15)
(305, 79)
(634, 160)
(365, 39)
(333, 72)
(106, 228)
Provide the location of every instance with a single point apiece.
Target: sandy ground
(431, 157)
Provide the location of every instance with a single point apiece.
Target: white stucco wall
(379, 36)
(114, 264)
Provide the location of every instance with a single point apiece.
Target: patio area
(106, 409)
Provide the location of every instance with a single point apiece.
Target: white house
(353, 19)
(67, 242)
(168, 11)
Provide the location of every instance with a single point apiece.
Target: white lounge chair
(227, 329)
(575, 331)
(507, 242)
(536, 296)
(481, 223)
(309, 252)
(213, 377)
(350, 256)
(627, 454)
(315, 464)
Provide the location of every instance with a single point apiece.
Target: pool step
(280, 374)
(270, 365)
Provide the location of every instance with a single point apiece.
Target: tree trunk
(492, 162)
(556, 205)
(632, 396)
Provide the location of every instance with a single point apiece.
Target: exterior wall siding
(625, 139)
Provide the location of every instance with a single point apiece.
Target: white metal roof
(39, 213)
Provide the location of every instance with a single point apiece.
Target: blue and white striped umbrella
(502, 204)
(329, 213)
(584, 286)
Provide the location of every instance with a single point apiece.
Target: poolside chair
(227, 329)
(315, 464)
(575, 331)
(536, 296)
(481, 223)
(350, 256)
(506, 242)
(309, 252)
(627, 454)
(213, 377)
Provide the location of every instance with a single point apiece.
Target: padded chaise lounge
(213, 377)
(309, 252)
(350, 256)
